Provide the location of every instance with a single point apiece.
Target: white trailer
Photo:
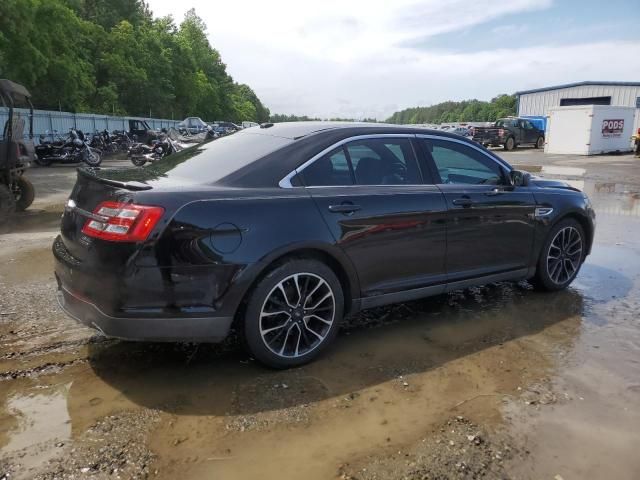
(589, 129)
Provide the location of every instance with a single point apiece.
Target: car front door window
(459, 164)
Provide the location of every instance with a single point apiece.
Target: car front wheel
(293, 313)
(561, 256)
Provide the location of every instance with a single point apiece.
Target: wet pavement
(491, 382)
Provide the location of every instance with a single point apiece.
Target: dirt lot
(491, 382)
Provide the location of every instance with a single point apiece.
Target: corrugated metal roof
(580, 84)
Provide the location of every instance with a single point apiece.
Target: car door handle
(344, 208)
(495, 191)
(463, 202)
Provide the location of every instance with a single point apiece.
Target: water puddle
(40, 425)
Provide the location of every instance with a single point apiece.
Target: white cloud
(346, 58)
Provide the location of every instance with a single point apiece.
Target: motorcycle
(104, 142)
(122, 140)
(74, 149)
(140, 153)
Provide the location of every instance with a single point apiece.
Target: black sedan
(280, 231)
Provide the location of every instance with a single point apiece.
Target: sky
(369, 58)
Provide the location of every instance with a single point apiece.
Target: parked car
(509, 132)
(192, 126)
(249, 124)
(229, 127)
(462, 131)
(217, 129)
(281, 230)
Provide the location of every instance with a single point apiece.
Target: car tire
(7, 204)
(280, 327)
(138, 161)
(26, 194)
(552, 275)
(43, 162)
(539, 143)
(510, 144)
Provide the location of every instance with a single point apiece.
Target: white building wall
(539, 103)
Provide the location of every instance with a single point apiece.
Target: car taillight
(122, 222)
(501, 132)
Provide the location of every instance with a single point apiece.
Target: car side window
(383, 161)
(458, 163)
(527, 125)
(331, 169)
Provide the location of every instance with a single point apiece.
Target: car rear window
(209, 162)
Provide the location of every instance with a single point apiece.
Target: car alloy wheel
(564, 255)
(297, 315)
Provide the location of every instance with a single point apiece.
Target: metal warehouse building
(538, 101)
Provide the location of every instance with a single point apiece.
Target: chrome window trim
(496, 159)
(286, 181)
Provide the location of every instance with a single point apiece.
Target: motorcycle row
(78, 147)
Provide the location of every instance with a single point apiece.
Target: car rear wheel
(510, 144)
(561, 256)
(293, 313)
(539, 142)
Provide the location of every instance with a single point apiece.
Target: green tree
(464, 111)
(109, 56)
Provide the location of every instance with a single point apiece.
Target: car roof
(305, 140)
(297, 130)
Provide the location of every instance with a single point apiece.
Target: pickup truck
(509, 132)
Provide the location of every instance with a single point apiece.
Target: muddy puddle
(492, 382)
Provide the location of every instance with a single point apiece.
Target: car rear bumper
(157, 329)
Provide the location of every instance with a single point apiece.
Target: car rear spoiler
(91, 173)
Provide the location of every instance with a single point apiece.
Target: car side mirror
(520, 178)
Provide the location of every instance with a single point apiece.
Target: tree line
(464, 111)
(279, 117)
(445, 112)
(114, 57)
